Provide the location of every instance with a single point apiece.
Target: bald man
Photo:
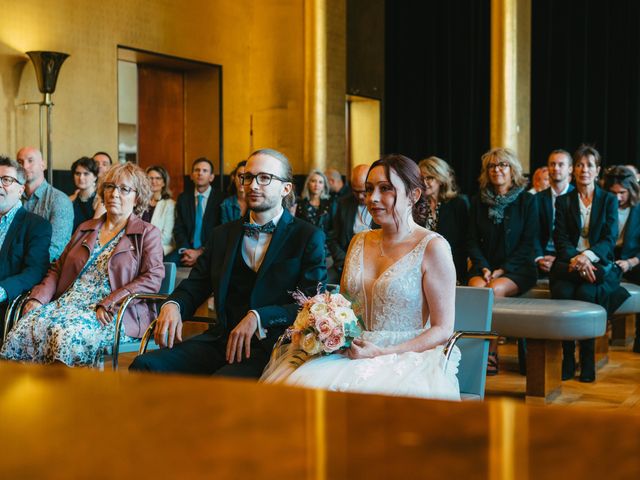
(42, 199)
(351, 217)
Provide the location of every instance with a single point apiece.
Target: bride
(402, 279)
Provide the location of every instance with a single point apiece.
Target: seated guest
(235, 205)
(69, 316)
(586, 228)
(621, 181)
(161, 211)
(560, 166)
(252, 266)
(197, 212)
(351, 217)
(24, 238)
(315, 205)
(447, 210)
(540, 180)
(42, 199)
(85, 176)
(337, 188)
(503, 223)
(104, 162)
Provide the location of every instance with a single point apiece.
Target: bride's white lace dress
(394, 312)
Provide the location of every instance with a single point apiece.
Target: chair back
(473, 313)
(169, 280)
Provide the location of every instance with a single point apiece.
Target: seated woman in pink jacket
(69, 316)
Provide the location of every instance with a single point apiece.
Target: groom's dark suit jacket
(294, 260)
(24, 257)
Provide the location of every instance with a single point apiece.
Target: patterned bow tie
(252, 230)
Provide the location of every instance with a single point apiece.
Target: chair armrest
(12, 314)
(119, 316)
(448, 348)
(148, 334)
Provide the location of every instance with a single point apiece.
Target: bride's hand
(363, 349)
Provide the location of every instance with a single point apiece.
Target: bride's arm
(438, 288)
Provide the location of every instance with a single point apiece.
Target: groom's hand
(240, 338)
(168, 326)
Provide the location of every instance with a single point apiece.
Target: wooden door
(161, 122)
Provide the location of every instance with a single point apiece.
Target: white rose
(344, 315)
(319, 309)
(311, 344)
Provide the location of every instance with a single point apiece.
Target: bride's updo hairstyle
(411, 178)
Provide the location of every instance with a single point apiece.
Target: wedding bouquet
(326, 323)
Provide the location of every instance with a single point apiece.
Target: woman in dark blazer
(586, 228)
(621, 181)
(447, 210)
(502, 227)
(69, 316)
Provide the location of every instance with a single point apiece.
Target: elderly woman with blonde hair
(447, 210)
(69, 316)
(502, 226)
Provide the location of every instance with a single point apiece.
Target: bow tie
(252, 230)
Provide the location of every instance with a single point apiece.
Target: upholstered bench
(545, 323)
(623, 324)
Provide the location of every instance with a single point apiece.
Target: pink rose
(332, 343)
(338, 331)
(324, 326)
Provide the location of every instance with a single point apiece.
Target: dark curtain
(585, 63)
(437, 74)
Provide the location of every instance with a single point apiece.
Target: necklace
(382, 254)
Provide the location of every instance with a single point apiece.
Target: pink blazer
(135, 266)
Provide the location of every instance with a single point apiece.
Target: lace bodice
(396, 299)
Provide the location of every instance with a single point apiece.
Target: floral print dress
(66, 329)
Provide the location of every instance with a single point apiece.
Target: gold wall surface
(259, 43)
(510, 76)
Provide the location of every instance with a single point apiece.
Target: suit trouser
(204, 355)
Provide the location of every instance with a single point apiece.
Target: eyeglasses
(123, 189)
(499, 165)
(262, 178)
(7, 181)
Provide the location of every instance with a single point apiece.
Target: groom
(251, 265)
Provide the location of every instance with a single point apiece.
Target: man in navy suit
(197, 213)
(252, 266)
(24, 238)
(351, 217)
(560, 166)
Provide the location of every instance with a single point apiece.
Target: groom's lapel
(234, 238)
(278, 240)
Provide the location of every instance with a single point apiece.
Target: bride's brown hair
(411, 178)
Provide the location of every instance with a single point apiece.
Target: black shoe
(587, 361)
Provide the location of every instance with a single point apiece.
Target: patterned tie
(252, 230)
(197, 233)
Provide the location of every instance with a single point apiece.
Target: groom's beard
(267, 203)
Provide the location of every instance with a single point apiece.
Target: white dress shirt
(363, 220)
(253, 251)
(583, 239)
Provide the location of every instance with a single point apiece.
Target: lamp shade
(47, 66)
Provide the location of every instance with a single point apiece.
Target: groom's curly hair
(411, 177)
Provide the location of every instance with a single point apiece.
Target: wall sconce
(47, 66)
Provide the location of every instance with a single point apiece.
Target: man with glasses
(42, 199)
(560, 165)
(197, 213)
(252, 265)
(24, 238)
(351, 217)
